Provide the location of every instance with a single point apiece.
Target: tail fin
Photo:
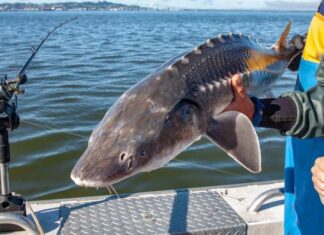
(282, 41)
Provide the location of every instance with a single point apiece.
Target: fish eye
(142, 153)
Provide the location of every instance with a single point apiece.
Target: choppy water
(86, 65)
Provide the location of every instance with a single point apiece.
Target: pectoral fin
(235, 134)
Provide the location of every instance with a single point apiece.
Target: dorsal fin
(282, 41)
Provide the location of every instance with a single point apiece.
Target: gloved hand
(298, 42)
(310, 109)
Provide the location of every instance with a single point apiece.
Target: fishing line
(177, 160)
(217, 170)
(53, 128)
(207, 167)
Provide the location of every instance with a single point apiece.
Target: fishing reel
(12, 87)
(8, 90)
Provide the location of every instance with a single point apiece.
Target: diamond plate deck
(201, 212)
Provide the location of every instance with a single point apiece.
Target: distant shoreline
(70, 6)
(110, 6)
(170, 10)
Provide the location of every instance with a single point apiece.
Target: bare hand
(241, 102)
(318, 175)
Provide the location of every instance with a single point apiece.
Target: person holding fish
(299, 114)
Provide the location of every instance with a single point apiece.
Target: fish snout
(96, 171)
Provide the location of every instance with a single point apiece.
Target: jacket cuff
(297, 127)
(258, 112)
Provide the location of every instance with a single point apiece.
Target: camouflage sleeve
(310, 109)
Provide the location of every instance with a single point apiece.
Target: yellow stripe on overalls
(315, 39)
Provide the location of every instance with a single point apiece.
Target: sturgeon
(182, 101)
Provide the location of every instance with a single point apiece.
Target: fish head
(141, 132)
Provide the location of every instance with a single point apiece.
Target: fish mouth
(93, 183)
(88, 183)
(97, 183)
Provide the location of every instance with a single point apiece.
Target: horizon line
(168, 8)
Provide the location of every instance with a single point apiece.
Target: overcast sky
(208, 4)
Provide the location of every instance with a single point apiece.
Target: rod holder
(12, 206)
(4, 179)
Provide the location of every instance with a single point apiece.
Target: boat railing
(263, 197)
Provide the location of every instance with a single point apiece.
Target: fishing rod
(11, 87)
(13, 206)
(35, 50)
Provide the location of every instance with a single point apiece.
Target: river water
(86, 65)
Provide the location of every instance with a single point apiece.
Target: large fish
(179, 103)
